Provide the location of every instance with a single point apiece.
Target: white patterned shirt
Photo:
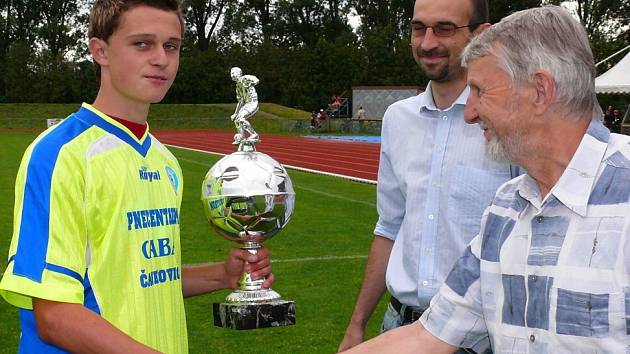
(550, 275)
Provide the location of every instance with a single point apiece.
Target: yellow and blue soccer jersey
(96, 223)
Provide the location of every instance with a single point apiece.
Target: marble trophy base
(250, 315)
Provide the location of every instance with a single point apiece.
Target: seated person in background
(314, 120)
(321, 116)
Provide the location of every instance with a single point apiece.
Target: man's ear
(482, 27)
(98, 50)
(545, 86)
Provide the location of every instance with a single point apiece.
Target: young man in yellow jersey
(95, 259)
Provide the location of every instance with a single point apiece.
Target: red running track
(355, 160)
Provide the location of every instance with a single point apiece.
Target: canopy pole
(610, 57)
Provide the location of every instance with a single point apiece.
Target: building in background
(376, 99)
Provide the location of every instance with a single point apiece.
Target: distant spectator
(361, 113)
(321, 116)
(314, 120)
(615, 125)
(335, 103)
(608, 117)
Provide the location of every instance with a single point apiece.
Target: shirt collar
(93, 116)
(574, 187)
(428, 103)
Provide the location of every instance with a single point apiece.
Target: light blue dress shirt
(434, 182)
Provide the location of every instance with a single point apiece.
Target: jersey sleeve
(47, 256)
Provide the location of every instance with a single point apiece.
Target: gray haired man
(549, 271)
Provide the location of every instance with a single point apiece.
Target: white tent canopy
(615, 80)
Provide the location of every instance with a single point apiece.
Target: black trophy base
(251, 315)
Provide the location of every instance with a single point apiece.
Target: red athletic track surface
(351, 159)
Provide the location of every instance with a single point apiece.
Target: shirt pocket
(590, 315)
(471, 192)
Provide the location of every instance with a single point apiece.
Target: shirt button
(533, 278)
(445, 118)
(434, 184)
(532, 338)
(425, 283)
(431, 216)
(540, 219)
(428, 249)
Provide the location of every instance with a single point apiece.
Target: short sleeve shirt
(96, 223)
(548, 274)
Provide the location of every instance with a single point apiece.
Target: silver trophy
(248, 198)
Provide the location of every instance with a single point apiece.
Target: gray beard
(504, 151)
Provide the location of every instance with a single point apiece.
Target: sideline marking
(298, 187)
(323, 258)
(336, 196)
(303, 169)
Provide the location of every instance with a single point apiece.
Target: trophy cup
(248, 197)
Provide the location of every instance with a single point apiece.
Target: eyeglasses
(440, 30)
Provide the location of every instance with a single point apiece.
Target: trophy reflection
(248, 198)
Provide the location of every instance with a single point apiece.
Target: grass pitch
(271, 118)
(318, 259)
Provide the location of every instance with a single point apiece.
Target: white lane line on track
(299, 187)
(303, 169)
(323, 258)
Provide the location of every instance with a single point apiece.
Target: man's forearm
(79, 330)
(373, 286)
(412, 338)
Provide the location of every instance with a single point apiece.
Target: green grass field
(271, 118)
(333, 218)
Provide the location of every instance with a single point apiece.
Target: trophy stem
(246, 282)
(251, 290)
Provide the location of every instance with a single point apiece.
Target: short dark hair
(105, 14)
(480, 13)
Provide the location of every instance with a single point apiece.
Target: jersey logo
(147, 175)
(172, 176)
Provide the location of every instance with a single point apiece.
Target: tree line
(303, 51)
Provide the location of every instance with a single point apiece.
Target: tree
(59, 23)
(24, 17)
(501, 8)
(603, 16)
(298, 22)
(606, 23)
(19, 75)
(264, 14)
(201, 14)
(304, 22)
(392, 18)
(246, 23)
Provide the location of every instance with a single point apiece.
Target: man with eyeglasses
(434, 178)
(549, 271)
